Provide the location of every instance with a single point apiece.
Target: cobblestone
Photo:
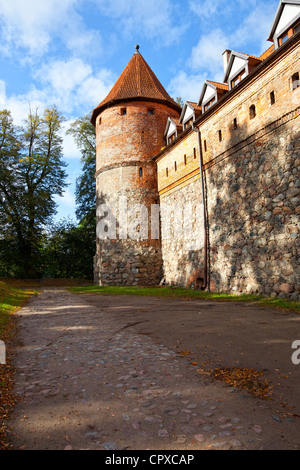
(87, 382)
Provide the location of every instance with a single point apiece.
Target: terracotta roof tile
(195, 105)
(222, 86)
(267, 52)
(137, 81)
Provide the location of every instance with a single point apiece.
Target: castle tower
(130, 124)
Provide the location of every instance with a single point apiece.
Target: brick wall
(135, 136)
(124, 169)
(252, 184)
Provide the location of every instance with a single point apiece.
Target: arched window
(252, 111)
(295, 81)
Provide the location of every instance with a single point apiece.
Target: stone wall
(253, 218)
(131, 255)
(128, 254)
(252, 188)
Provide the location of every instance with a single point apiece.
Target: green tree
(69, 251)
(31, 174)
(84, 135)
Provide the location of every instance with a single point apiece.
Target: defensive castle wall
(128, 135)
(251, 153)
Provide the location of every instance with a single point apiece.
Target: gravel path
(86, 381)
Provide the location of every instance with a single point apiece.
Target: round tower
(130, 124)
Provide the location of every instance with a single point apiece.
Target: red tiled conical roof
(136, 82)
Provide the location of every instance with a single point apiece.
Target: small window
(235, 125)
(195, 155)
(99, 122)
(283, 39)
(297, 28)
(295, 81)
(123, 111)
(205, 146)
(272, 97)
(252, 111)
(150, 111)
(220, 135)
(142, 137)
(167, 172)
(175, 166)
(141, 172)
(184, 158)
(237, 79)
(235, 82)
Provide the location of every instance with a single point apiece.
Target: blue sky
(69, 53)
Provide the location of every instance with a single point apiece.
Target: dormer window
(209, 104)
(286, 22)
(173, 128)
(288, 34)
(189, 113)
(211, 93)
(171, 138)
(237, 79)
(238, 66)
(188, 123)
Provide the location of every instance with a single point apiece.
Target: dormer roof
(287, 13)
(216, 88)
(191, 108)
(136, 82)
(173, 125)
(240, 60)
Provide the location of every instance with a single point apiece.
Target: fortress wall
(252, 187)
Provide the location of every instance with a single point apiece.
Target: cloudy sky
(69, 53)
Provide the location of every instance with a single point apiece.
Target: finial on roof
(137, 48)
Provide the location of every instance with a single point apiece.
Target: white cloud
(153, 19)
(205, 60)
(62, 77)
(69, 85)
(32, 25)
(207, 54)
(205, 9)
(67, 199)
(2, 94)
(255, 28)
(186, 86)
(70, 149)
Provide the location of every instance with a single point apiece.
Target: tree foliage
(84, 135)
(31, 174)
(69, 251)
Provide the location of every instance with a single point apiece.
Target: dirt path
(97, 372)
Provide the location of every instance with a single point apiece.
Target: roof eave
(111, 103)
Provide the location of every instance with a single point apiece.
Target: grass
(178, 292)
(11, 299)
(45, 282)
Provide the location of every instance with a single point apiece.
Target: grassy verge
(285, 304)
(11, 299)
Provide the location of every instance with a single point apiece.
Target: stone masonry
(252, 190)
